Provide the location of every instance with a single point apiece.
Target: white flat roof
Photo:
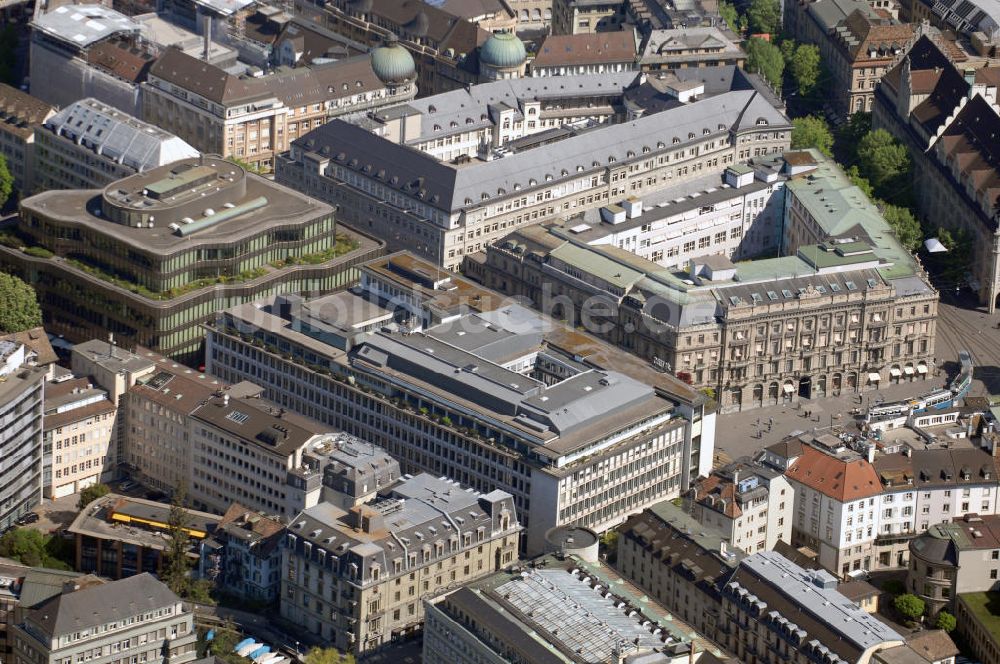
(83, 25)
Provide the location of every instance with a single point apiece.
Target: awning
(908, 369)
(922, 368)
(789, 387)
(894, 371)
(874, 377)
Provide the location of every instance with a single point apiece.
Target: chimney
(871, 453)
(970, 75)
(207, 28)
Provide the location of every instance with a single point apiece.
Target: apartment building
(117, 536)
(856, 42)
(844, 308)
(243, 449)
(24, 588)
(690, 46)
(135, 617)
(978, 618)
(561, 610)
(446, 210)
(156, 448)
(358, 578)
(775, 611)
(751, 505)
(79, 436)
(88, 145)
(938, 110)
(575, 17)
(477, 389)
(21, 438)
(134, 261)
(255, 118)
(597, 53)
(243, 556)
(680, 562)
(21, 115)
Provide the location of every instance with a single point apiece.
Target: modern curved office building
(152, 256)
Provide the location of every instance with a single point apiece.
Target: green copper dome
(503, 50)
(392, 63)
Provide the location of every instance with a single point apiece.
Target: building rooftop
(933, 645)
(83, 25)
(572, 611)
(807, 599)
(20, 113)
(111, 358)
(689, 43)
(72, 401)
(601, 48)
(181, 389)
(112, 602)
(138, 521)
(117, 136)
(258, 422)
(171, 208)
(37, 342)
(453, 187)
(985, 607)
(845, 480)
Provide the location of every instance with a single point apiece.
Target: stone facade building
(21, 117)
(940, 113)
(358, 578)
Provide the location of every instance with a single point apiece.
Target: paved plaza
(961, 326)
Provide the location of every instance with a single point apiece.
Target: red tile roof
(843, 480)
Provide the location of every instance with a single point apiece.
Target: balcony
(888, 539)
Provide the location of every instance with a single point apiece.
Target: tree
(812, 132)
(176, 564)
(765, 58)
(6, 182)
(32, 548)
(328, 656)
(860, 182)
(764, 17)
(20, 309)
(909, 606)
(904, 225)
(804, 67)
(732, 18)
(92, 493)
(946, 621)
(886, 163)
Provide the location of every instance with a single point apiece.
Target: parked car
(126, 485)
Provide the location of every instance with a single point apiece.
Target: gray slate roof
(452, 187)
(118, 136)
(102, 604)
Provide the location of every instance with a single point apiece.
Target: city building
(854, 305)
(358, 578)
(21, 115)
(243, 555)
(977, 23)
(88, 145)
(669, 14)
(775, 611)
(445, 210)
(478, 389)
(955, 557)
(157, 253)
(560, 610)
(21, 438)
(244, 449)
(680, 562)
(118, 536)
(857, 45)
(75, 54)
(534, 17)
(590, 53)
(78, 436)
(751, 505)
(677, 48)
(22, 589)
(930, 647)
(349, 470)
(939, 111)
(254, 118)
(444, 46)
(575, 17)
(978, 618)
(154, 410)
(134, 617)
